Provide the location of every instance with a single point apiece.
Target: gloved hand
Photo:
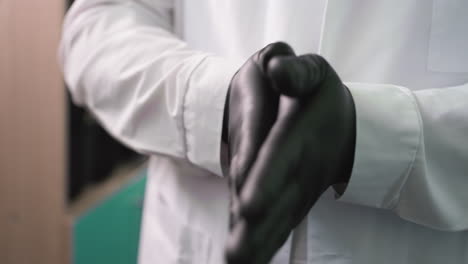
(250, 111)
(309, 148)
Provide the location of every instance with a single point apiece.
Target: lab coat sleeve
(148, 88)
(412, 153)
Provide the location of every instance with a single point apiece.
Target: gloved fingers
(258, 104)
(252, 94)
(289, 76)
(257, 112)
(271, 172)
(273, 244)
(311, 193)
(257, 240)
(238, 250)
(320, 71)
(278, 224)
(234, 211)
(272, 50)
(258, 107)
(297, 76)
(290, 155)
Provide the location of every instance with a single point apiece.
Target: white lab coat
(405, 62)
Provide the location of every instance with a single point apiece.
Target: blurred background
(69, 193)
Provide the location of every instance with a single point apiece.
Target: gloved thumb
(297, 76)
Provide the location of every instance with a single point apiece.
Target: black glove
(250, 112)
(309, 148)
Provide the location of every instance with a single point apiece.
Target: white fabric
(448, 41)
(405, 66)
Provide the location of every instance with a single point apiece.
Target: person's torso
(418, 44)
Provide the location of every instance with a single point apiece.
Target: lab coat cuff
(388, 134)
(204, 109)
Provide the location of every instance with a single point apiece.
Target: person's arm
(144, 85)
(396, 149)
(412, 153)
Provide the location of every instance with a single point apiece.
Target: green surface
(109, 233)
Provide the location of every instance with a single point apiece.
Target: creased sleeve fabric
(412, 153)
(147, 87)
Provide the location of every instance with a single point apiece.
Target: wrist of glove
(291, 135)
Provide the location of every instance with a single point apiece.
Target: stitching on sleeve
(181, 124)
(395, 201)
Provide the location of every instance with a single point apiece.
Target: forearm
(142, 83)
(411, 154)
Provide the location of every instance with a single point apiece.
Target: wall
(33, 226)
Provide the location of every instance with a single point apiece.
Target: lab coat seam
(322, 27)
(184, 108)
(394, 203)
